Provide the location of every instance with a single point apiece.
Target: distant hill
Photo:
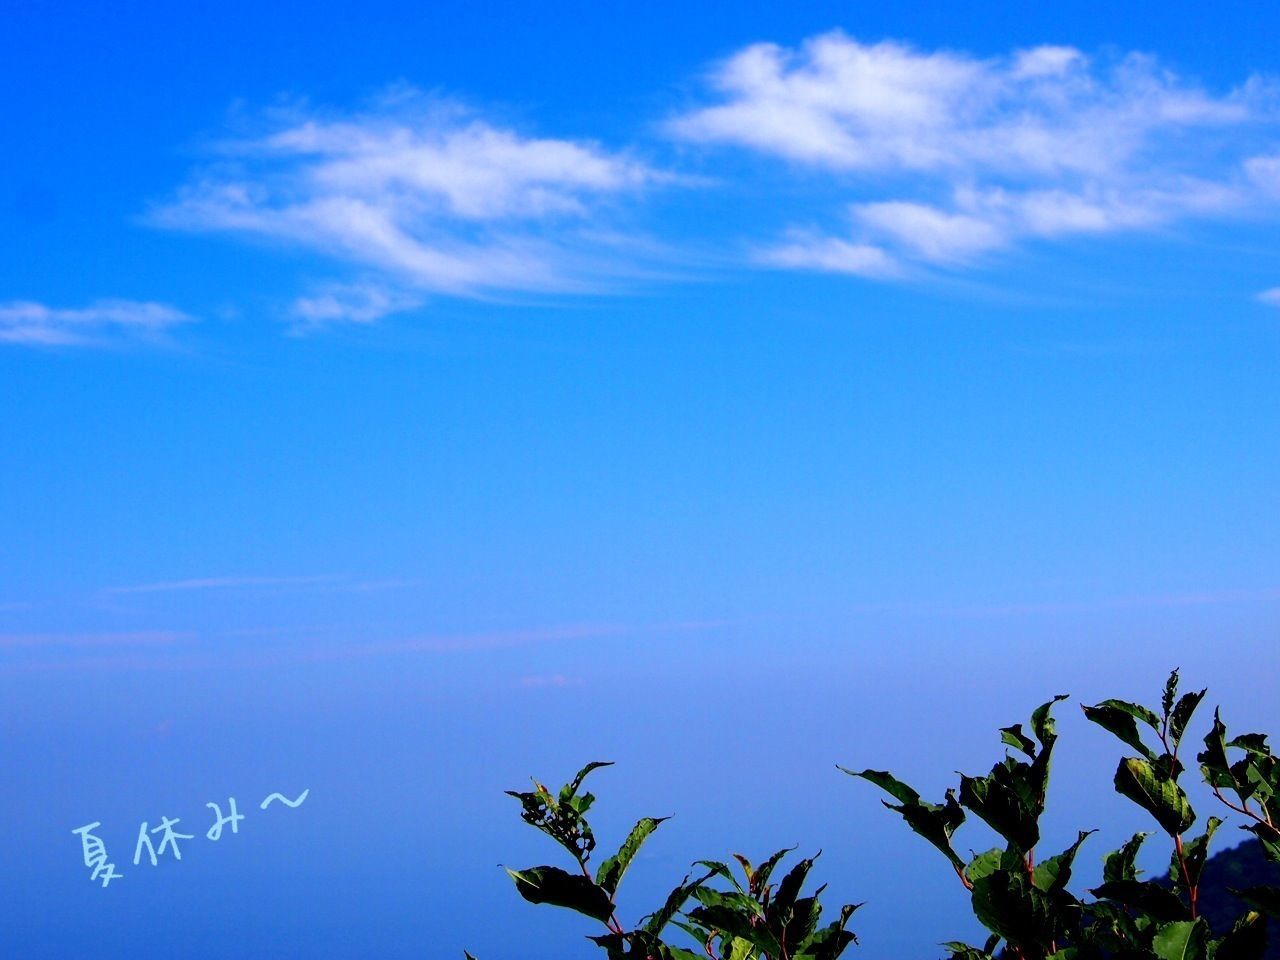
(1237, 867)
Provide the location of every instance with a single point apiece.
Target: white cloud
(809, 251)
(31, 323)
(1270, 297)
(948, 156)
(350, 303)
(429, 197)
(930, 233)
(215, 583)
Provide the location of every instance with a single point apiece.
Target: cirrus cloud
(36, 324)
(944, 157)
(422, 197)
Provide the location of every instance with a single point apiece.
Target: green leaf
(610, 873)
(1214, 765)
(729, 900)
(731, 922)
(1119, 864)
(1247, 939)
(570, 789)
(1170, 691)
(1007, 904)
(1042, 723)
(1162, 798)
(831, 941)
(665, 952)
(1118, 718)
(984, 864)
(1181, 940)
(888, 783)
(558, 888)
(1262, 898)
(1054, 874)
(1014, 737)
(1159, 903)
(760, 876)
(1255, 743)
(720, 869)
(1005, 801)
(615, 945)
(1269, 837)
(803, 922)
(962, 951)
(655, 922)
(935, 822)
(1194, 853)
(1135, 710)
(789, 889)
(1181, 715)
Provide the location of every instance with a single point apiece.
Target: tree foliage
(1021, 897)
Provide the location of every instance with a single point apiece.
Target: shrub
(1022, 900)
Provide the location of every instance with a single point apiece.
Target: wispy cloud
(1270, 297)
(215, 583)
(427, 195)
(197, 655)
(101, 322)
(349, 303)
(946, 158)
(555, 681)
(113, 639)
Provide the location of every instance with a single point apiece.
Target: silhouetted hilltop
(1236, 868)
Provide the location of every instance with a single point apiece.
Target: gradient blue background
(724, 533)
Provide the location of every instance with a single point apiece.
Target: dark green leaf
(1053, 874)
(1162, 798)
(1247, 939)
(1264, 899)
(1014, 737)
(1004, 799)
(734, 923)
(1042, 723)
(789, 889)
(1269, 838)
(570, 789)
(886, 782)
(615, 945)
(1118, 865)
(1193, 855)
(554, 886)
(1181, 715)
(1147, 898)
(655, 922)
(760, 877)
(1118, 718)
(1170, 691)
(729, 900)
(983, 864)
(719, 869)
(1214, 765)
(611, 871)
(1007, 904)
(962, 951)
(936, 823)
(1255, 743)
(831, 941)
(802, 924)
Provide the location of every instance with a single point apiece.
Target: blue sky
(404, 399)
